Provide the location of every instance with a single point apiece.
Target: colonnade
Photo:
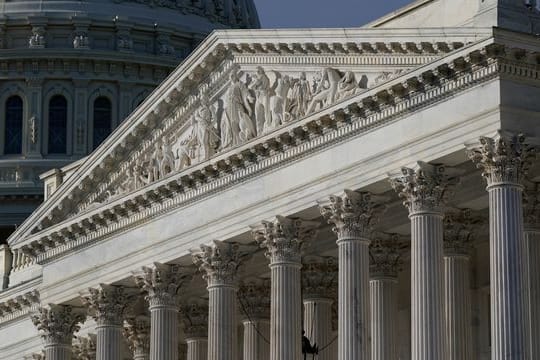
(367, 289)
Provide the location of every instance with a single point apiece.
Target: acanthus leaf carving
(108, 303)
(353, 214)
(137, 334)
(386, 255)
(284, 238)
(460, 228)
(319, 277)
(195, 318)
(58, 323)
(426, 188)
(254, 298)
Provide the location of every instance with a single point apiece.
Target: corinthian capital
(85, 348)
(503, 159)
(284, 238)
(254, 298)
(531, 206)
(58, 323)
(459, 231)
(353, 214)
(162, 283)
(319, 277)
(386, 255)
(107, 304)
(195, 318)
(426, 188)
(137, 334)
(219, 263)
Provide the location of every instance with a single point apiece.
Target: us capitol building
(364, 193)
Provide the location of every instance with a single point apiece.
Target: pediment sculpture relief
(251, 105)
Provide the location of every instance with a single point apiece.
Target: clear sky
(323, 13)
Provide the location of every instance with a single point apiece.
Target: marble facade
(374, 189)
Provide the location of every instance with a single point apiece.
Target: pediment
(238, 86)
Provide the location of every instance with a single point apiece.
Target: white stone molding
(19, 306)
(219, 265)
(352, 116)
(255, 303)
(57, 325)
(504, 160)
(283, 238)
(531, 215)
(424, 191)
(84, 348)
(386, 252)
(137, 334)
(107, 305)
(353, 215)
(162, 283)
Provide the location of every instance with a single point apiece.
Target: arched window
(58, 114)
(102, 120)
(14, 124)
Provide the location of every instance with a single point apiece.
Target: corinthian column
(106, 305)
(319, 283)
(219, 264)
(195, 317)
(353, 215)
(458, 236)
(385, 252)
(162, 283)
(532, 266)
(137, 333)
(84, 348)
(284, 238)
(57, 324)
(504, 160)
(423, 191)
(255, 306)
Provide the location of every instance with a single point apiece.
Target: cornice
(423, 87)
(19, 306)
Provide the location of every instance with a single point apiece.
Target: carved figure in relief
(300, 97)
(326, 90)
(167, 161)
(37, 40)
(278, 103)
(347, 85)
(237, 125)
(204, 130)
(183, 155)
(263, 89)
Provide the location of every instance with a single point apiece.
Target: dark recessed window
(102, 120)
(14, 124)
(58, 125)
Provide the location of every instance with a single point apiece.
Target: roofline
(397, 13)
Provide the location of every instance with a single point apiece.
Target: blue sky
(323, 13)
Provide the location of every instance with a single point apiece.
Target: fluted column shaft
(222, 322)
(353, 298)
(109, 341)
(427, 306)
(163, 332)
(532, 241)
(256, 337)
(506, 246)
(458, 306)
(140, 355)
(285, 311)
(384, 315)
(318, 325)
(197, 349)
(58, 352)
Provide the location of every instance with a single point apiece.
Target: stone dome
(72, 70)
(193, 15)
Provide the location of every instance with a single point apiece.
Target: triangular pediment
(237, 87)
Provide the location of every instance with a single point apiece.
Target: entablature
(359, 111)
